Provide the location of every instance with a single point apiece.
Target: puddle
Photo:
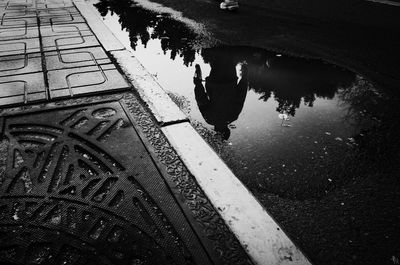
(289, 126)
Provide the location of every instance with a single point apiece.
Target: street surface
(358, 222)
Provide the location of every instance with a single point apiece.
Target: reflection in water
(221, 100)
(340, 123)
(289, 79)
(144, 25)
(292, 80)
(329, 177)
(374, 113)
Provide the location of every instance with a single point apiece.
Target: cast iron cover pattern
(77, 186)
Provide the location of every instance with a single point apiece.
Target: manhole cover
(79, 187)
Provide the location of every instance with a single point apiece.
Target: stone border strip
(259, 234)
(262, 238)
(160, 104)
(385, 2)
(162, 107)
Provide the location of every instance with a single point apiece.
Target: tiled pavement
(47, 51)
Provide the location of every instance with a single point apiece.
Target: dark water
(306, 156)
(329, 173)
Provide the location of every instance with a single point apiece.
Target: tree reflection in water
(287, 80)
(144, 25)
(374, 113)
(290, 80)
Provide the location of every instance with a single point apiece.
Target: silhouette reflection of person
(221, 100)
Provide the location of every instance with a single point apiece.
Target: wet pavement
(86, 175)
(329, 174)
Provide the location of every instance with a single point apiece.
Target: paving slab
(79, 29)
(17, 47)
(11, 8)
(27, 7)
(76, 190)
(85, 80)
(17, 13)
(74, 58)
(53, 4)
(64, 11)
(17, 33)
(68, 41)
(22, 3)
(70, 18)
(21, 89)
(20, 64)
(18, 22)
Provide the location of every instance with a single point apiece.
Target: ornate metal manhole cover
(79, 187)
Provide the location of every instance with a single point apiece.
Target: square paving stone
(22, 88)
(58, 4)
(12, 4)
(69, 41)
(18, 47)
(21, 7)
(19, 22)
(63, 59)
(20, 64)
(21, 2)
(64, 11)
(64, 29)
(62, 19)
(23, 13)
(12, 33)
(85, 80)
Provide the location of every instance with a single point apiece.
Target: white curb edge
(385, 2)
(160, 104)
(259, 234)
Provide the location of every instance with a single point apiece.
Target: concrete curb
(160, 104)
(259, 234)
(391, 3)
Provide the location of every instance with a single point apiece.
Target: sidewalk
(98, 166)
